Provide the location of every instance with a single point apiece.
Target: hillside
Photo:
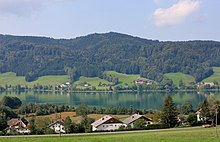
(176, 77)
(125, 80)
(10, 78)
(91, 55)
(214, 77)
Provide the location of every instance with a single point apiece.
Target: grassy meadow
(124, 79)
(176, 77)
(10, 78)
(93, 81)
(215, 76)
(193, 135)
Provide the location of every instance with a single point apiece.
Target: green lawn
(176, 77)
(10, 78)
(195, 135)
(215, 76)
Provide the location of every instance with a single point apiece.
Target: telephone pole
(216, 122)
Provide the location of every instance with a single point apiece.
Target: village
(109, 123)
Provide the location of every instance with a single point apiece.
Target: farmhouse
(131, 120)
(205, 84)
(140, 82)
(58, 126)
(18, 124)
(107, 123)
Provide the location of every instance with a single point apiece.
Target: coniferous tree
(169, 112)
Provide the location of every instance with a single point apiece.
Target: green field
(124, 79)
(176, 77)
(10, 78)
(215, 76)
(93, 81)
(194, 135)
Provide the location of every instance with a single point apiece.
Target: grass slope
(215, 76)
(194, 135)
(124, 79)
(176, 77)
(10, 78)
(94, 81)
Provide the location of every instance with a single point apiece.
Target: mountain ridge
(93, 54)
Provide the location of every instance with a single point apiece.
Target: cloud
(176, 13)
(21, 7)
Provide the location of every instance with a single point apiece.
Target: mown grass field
(215, 76)
(176, 77)
(10, 78)
(193, 135)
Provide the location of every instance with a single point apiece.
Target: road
(102, 133)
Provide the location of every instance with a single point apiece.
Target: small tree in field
(169, 112)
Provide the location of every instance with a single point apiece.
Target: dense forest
(91, 55)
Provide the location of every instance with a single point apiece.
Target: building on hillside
(140, 82)
(205, 84)
(107, 123)
(18, 124)
(133, 118)
(58, 126)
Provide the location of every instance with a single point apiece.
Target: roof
(135, 117)
(105, 119)
(58, 121)
(16, 121)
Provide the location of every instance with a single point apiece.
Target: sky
(165, 20)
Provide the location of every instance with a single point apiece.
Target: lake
(147, 100)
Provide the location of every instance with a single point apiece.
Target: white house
(205, 84)
(18, 124)
(130, 120)
(58, 126)
(107, 123)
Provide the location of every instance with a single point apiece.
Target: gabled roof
(135, 117)
(105, 119)
(16, 121)
(57, 122)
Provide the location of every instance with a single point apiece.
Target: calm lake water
(148, 100)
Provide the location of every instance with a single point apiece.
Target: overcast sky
(152, 19)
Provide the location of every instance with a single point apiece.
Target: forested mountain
(91, 55)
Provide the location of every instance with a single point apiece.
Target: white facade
(23, 130)
(57, 127)
(108, 127)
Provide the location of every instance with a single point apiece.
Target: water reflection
(148, 100)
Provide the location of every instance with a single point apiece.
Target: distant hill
(215, 77)
(91, 55)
